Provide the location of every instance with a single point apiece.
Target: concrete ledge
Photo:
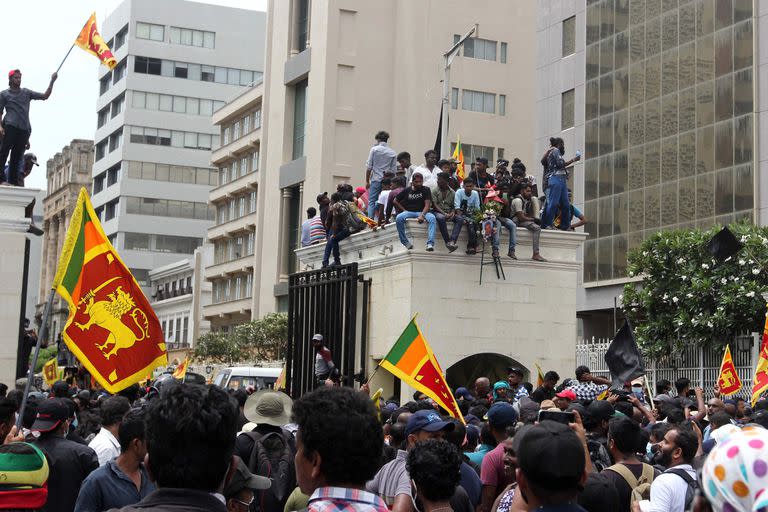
(298, 67)
(380, 248)
(293, 173)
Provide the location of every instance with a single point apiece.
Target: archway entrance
(493, 366)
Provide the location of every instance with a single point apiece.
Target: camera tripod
(495, 261)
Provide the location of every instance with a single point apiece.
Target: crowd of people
(435, 193)
(568, 445)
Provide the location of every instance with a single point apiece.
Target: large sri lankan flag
(111, 329)
(412, 361)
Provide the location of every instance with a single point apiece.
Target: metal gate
(325, 301)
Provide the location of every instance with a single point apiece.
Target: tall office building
(664, 98)
(339, 71)
(178, 62)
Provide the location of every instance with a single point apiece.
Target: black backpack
(272, 457)
(690, 492)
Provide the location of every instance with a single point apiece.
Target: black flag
(439, 138)
(724, 245)
(623, 357)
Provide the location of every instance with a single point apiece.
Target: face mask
(649, 450)
(414, 496)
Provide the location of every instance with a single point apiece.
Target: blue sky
(42, 31)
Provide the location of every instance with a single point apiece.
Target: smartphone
(558, 416)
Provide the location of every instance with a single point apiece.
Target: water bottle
(578, 153)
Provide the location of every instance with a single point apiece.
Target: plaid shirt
(520, 393)
(342, 499)
(587, 391)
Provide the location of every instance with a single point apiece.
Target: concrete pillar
(285, 232)
(44, 278)
(13, 236)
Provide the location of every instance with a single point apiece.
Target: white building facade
(178, 62)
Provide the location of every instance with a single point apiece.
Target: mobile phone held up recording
(558, 416)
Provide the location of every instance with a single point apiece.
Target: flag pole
(35, 356)
(65, 57)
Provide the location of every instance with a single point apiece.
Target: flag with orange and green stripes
(412, 361)
(111, 328)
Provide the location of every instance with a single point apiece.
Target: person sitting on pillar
(416, 201)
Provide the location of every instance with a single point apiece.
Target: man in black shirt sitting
(547, 389)
(415, 202)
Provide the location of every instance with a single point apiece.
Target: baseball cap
(515, 370)
(242, 478)
(13, 72)
(321, 196)
(502, 415)
(50, 413)
(60, 388)
(317, 337)
(464, 393)
(547, 405)
(482, 160)
(663, 397)
(32, 157)
(567, 393)
(551, 441)
(428, 421)
(24, 471)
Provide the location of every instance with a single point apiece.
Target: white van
(243, 376)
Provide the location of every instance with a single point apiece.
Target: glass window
(138, 99)
(142, 30)
(299, 118)
(567, 109)
(454, 98)
(569, 37)
(742, 45)
(502, 104)
(723, 51)
(157, 32)
(152, 101)
(166, 103)
(179, 104)
(209, 39)
(503, 53)
(724, 144)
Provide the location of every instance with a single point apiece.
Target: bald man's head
(482, 387)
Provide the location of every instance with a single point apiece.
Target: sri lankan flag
(412, 361)
(111, 327)
(458, 155)
(539, 376)
(91, 41)
(760, 382)
(181, 370)
(50, 372)
(728, 380)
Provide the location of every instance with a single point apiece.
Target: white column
(285, 233)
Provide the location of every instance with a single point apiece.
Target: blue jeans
(442, 223)
(373, 197)
(512, 228)
(332, 245)
(431, 225)
(558, 197)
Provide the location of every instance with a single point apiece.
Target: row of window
(172, 103)
(176, 329)
(178, 35)
(110, 177)
(234, 288)
(242, 127)
(168, 208)
(119, 40)
(172, 138)
(171, 173)
(111, 111)
(109, 144)
(113, 76)
(478, 101)
(474, 151)
(239, 168)
(233, 248)
(161, 243)
(484, 49)
(236, 208)
(107, 212)
(170, 287)
(202, 72)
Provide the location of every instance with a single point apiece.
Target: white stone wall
(529, 317)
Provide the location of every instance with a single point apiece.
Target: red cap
(567, 393)
(13, 72)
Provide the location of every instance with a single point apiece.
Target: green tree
(685, 295)
(46, 354)
(265, 339)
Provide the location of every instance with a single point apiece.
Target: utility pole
(448, 59)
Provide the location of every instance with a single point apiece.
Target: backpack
(690, 492)
(272, 457)
(598, 454)
(641, 487)
(351, 220)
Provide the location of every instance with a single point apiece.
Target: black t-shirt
(541, 393)
(622, 487)
(482, 181)
(414, 200)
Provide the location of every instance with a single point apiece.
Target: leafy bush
(686, 295)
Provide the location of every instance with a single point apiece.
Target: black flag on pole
(724, 245)
(623, 357)
(439, 138)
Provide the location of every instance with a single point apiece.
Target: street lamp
(448, 56)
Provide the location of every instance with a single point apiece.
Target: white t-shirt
(430, 177)
(668, 492)
(105, 445)
(383, 196)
